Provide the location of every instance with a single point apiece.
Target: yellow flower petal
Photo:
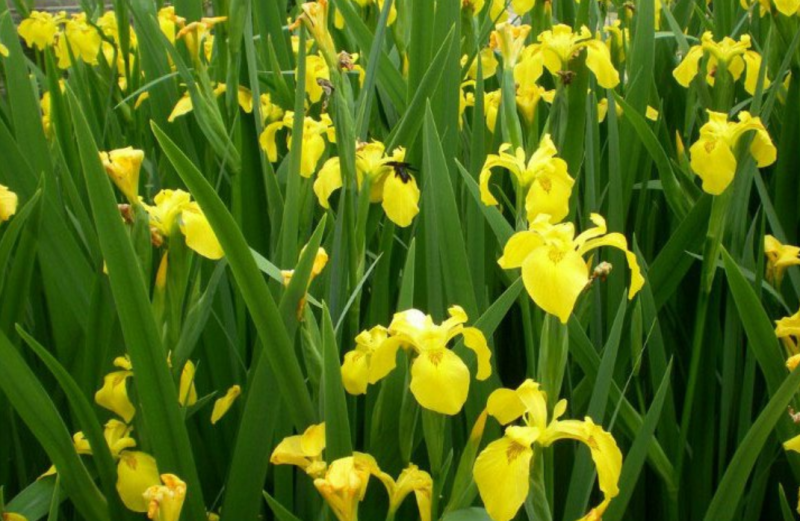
(714, 162)
(598, 60)
(787, 7)
(617, 240)
(475, 340)
(8, 203)
(329, 179)
(199, 235)
(223, 405)
(183, 107)
(685, 72)
(554, 279)
(502, 474)
(301, 450)
(440, 381)
(114, 395)
(136, 472)
(267, 140)
(400, 199)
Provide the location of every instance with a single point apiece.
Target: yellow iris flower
(117, 435)
(122, 166)
(114, 393)
(502, 470)
(553, 268)
(10, 516)
(303, 450)
(439, 378)
(83, 39)
(39, 29)
(164, 502)
(712, 155)
(788, 7)
(411, 479)
(560, 45)
(313, 144)
(168, 21)
(269, 111)
(175, 208)
(320, 261)
(195, 34)
(397, 192)
(136, 472)
(737, 57)
(526, 73)
(509, 40)
(779, 258)
(544, 176)
(314, 15)
(223, 405)
(497, 8)
(8, 203)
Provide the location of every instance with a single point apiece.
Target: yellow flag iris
(187, 394)
(116, 433)
(123, 166)
(411, 479)
(395, 189)
(10, 516)
(736, 56)
(439, 378)
(39, 29)
(712, 155)
(176, 208)
(83, 39)
(502, 470)
(185, 105)
(560, 45)
(544, 176)
(196, 33)
(488, 64)
(314, 15)
(303, 450)
(8, 203)
(313, 142)
(779, 258)
(509, 40)
(169, 22)
(553, 268)
(165, 501)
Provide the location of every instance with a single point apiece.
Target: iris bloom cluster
(343, 483)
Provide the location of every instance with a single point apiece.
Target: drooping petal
(598, 60)
(685, 72)
(199, 235)
(223, 405)
(355, 372)
(329, 179)
(554, 279)
(502, 474)
(753, 61)
(400, 199)
(183, 107)
(383, 360)
(114, 395)
(440, 381)
(713, 161)
(475, 340)
(136, 472)
(787, 7)
(267, 140)
(605, 453)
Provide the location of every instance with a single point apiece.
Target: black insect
(401, 169)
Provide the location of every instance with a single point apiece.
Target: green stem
(512, 130)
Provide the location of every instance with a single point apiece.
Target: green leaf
(39, 413)
(337, 426)
(726, 499)
(155, 387)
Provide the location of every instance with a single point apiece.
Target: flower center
(514, 451)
